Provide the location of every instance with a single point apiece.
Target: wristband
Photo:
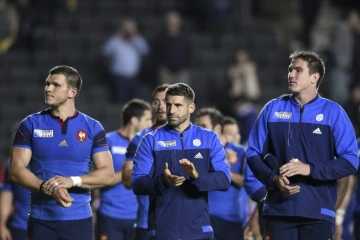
(339, 219)
(76, 181)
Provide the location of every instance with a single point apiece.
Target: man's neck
(127, 131)
(64, 111)
(305, 97)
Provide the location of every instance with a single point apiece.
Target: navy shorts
(18, 234)
(108, 228)
(226, 230)
(141, 234)
(81, 229)
(297, 228)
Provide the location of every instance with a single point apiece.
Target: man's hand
(171, 180)
(283, 184)
(189, 168)
(338, 232)
(62, 197)
(295, 167)
(5, 233)
(57, 182)
(231, 156)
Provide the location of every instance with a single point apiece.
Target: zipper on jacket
(182, 140)
(301, 112)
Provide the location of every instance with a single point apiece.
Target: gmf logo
(81, 135)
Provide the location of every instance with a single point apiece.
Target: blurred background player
(60, 144)
(158, 105)
(14, 207)
(118, 206)
(228, 210)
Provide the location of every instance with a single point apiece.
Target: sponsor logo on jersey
(81, 135)
(196, 142)
(171, 143)
(43, 133)
(118, 150)
(283, 115)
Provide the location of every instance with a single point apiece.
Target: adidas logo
(198, 155)
(317, 131)
(63, 144)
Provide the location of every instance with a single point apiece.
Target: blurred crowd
(129, 59)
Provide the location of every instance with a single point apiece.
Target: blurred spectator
(352, 106)
(342, 53)
(124, 52)
(9, 25)
(309, 11)
(172, 52)
(243, 78)
(246, 113)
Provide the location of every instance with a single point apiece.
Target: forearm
(5, 207)
(145, 185)
(117, 177)
(237, 179)
(213, 181)
(332, 170)
(25, 178)
(262, 171)
(126, 178)
(101, 177)
(344, 190)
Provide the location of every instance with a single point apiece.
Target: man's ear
(192, 108)
(314, 78)
(73, 92)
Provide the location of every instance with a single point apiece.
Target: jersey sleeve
(100, 143)
(23, 136)
(347, 161)
(258, 146)
(132, 147)
(8, 186)
(142, 183)
(219, 179)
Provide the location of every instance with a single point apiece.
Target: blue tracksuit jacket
(321, 135)
(180, 212)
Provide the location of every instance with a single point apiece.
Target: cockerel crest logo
(81, 135)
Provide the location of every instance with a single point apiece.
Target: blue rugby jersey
(357, 205)
(117, 201)
(180, 212)
(60, 148)
(143, 201)
(230, 205)
(21, 202)
(320, 135)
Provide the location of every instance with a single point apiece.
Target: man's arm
(127, 173)
(141, 182)
(253, 187)
(237, 178)
(257, 142)
(102, 176)
(18, 173)
(218, 179)
(346, 162)
(6, 207)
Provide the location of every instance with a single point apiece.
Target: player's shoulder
(236, 147)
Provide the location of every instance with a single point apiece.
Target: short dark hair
(72, 76)
(216, 117)
(229, 120)
(160, 88)
(180, 89)
(134, 108)
(315, 63)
